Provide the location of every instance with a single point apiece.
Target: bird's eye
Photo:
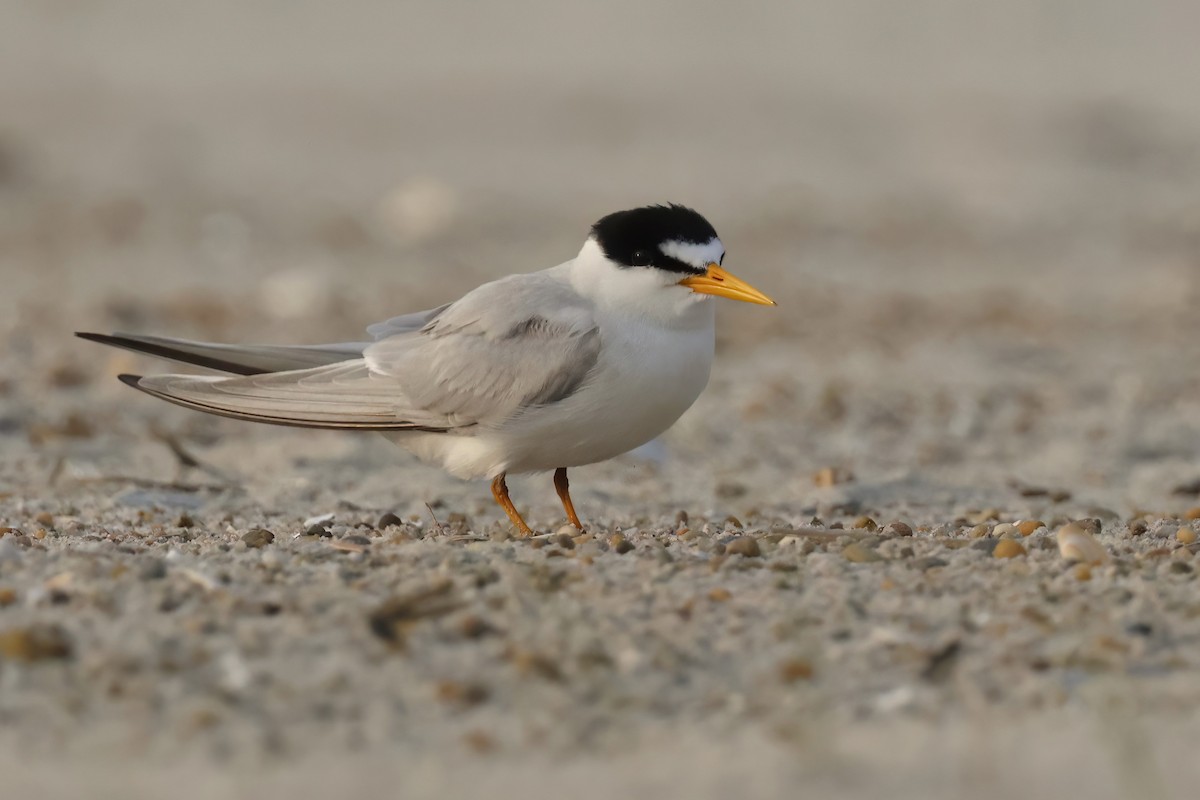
(641, 258)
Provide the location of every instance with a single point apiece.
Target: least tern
(533, 372)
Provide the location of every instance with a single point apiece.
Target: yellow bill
(721, 283)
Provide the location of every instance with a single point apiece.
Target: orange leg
(564, 494)
(500, 492)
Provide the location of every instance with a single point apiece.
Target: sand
(979, 223)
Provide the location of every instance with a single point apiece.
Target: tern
(533, 372)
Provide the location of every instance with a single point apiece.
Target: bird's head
(665, 256)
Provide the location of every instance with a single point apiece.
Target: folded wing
(517, 343)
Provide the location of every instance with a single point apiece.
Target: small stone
(857, 554)
(1082, 572)
(565, 540)
(1090, 525)
(734, 521)
(864, 522)
(320, 531)
(389, 520)
(985, 545)
(795, 669)
(831, 476)
(461, 695)
(1137, 527)
(898, 528)
(743, 546)
(1077, 544)
(258, 538)
(720, 595)
(473, 627)
(619, 543)
(1008, 548)
(45, 518)
(185, 520)
(1028, 526)
(1185, 535)
(681, 518)
(1181, 568)
(35, 643)
(979, 531)
(1192, 513)
(1005, 530)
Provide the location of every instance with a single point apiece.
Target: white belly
(645, 379)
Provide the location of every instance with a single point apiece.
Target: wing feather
(510, 345)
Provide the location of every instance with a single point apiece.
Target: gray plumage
(519, 342)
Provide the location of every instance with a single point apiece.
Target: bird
(532, 372)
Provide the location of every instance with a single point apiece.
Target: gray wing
(519, 342)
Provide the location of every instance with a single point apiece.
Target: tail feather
(233, 358)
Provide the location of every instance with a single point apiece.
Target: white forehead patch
(698, 255)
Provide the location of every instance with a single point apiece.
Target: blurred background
(981, 220)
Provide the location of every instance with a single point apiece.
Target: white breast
(646, 378)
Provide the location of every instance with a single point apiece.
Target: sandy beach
(839, 574)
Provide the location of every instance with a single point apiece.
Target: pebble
(743, 546)
(321, 519)
(619, 543)
(257, 538)
(1028, 526)
(831, 476)
(1185, 535)
(1192, 513)
(857, 554)
(389, 520)
(1082, 572)
(898, 528)
(1077, 544)
(35, 643)
(1008, 548)
(1005, 530)
(864, 522)
(979, 531)
(795, 669)
(720, 595)
(461, 695)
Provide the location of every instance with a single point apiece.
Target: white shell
(1076, 544)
